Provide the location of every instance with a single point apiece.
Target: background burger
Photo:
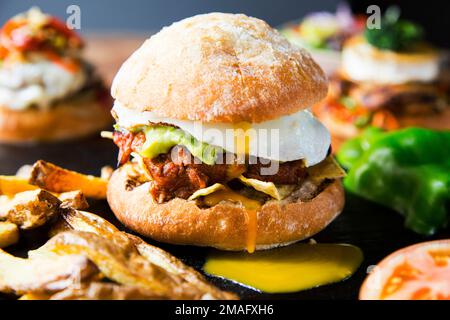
(389, 78)
(229, 72)
(47, 91)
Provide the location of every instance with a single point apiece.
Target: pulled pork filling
(176, 175)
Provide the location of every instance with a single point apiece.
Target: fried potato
(55, 179)
(176, 267)
(117, 264)
(29, 209)
(10, 185)
(35, 296)
(89, 222)
(73, 199)
(9, 234)
(59, 226)
(104, 291)
(42, 274)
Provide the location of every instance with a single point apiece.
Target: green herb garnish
(395, 34)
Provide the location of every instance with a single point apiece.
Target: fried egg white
(288, 138)
(37, 82)
(363, 62)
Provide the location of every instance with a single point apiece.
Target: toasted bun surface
(68, 119)
(219, 68)
(224, 226)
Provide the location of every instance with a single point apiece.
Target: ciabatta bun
(69, 119)
(219, 67)
(225, 225)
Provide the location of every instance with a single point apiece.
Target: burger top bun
(219, 67)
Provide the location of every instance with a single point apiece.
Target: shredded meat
(127, 142)
(291, 172)
(177, 174)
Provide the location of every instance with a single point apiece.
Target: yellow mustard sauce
(289, 269)
(242, 136)
(251, 205)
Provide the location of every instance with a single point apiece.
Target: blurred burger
(324, 33)
(47, 91)
(389, 78)
(217, 147)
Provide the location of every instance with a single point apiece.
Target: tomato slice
(61, 27)
(418, 272)
(17, 34)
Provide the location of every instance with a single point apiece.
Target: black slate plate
(378, 231)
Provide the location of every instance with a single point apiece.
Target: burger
(389, 78)
(323, 33)
(217, 146)
(47, 91)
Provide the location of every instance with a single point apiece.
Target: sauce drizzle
(294, 268)
(251, 205)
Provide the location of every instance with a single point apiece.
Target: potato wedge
(35, 296)
(73, 199)
(29, 209)
(10, 185)
(55, 179)
(9, 234)
(117, 264)
(104, 291)
(89, 222)
(43, 274)
(176, 267)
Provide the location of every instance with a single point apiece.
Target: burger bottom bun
(224, 226)
(342, 131)
(69, 119)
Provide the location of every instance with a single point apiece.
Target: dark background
(149, 16)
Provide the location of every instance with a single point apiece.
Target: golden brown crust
(223, 226)
(69, 119)
(219, 68)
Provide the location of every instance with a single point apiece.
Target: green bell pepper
(407, 170)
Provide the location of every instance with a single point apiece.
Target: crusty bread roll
(68, 119)
(225, 225)
(219, 68)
